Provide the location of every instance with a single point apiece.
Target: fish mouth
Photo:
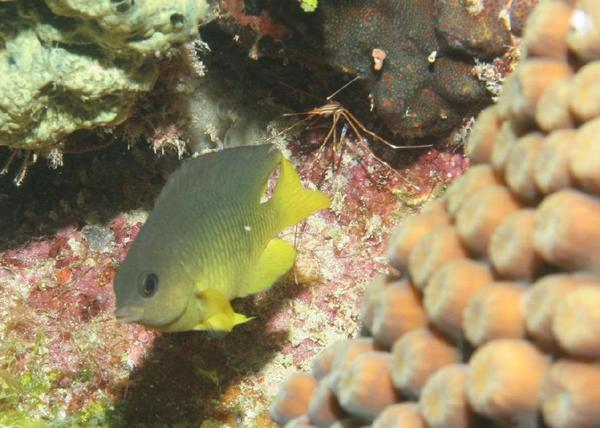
(129, 314)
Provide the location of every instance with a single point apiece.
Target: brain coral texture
(492, 312)
(426, 83)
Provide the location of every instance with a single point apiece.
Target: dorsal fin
(239, 171)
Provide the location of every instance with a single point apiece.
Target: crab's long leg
(20, 177)
(378, 138)
(353, 122)
(289, 128)
(9, 161)
(343, 146)
(330, 133)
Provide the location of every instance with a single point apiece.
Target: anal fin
(277, 258)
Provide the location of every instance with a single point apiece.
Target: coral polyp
(507, 260)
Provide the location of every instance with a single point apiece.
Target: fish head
(151, 290)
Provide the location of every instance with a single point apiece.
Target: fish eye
(148, 285)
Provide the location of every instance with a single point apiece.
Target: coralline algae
(68, 360)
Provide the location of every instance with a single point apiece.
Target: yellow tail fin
(292, 201)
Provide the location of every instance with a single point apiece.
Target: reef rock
(67, 65)
(426, 84)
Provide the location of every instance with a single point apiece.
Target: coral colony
(452, 282)
(490, 312)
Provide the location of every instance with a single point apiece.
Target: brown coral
(324, 407)
(365, 387)
(571, 394)
(444, 399)
(494, 312)
(409, 233)
(416, 356)
(505, 379)
(566, 231)
(405, 415)
(547, 29)
(540, 304)
(576, 321)
(426, 85)
(551, 169)
(398, 311)
(539, 225)
(438, 247)
(449, 291)
(481, 214)
(292, 400)
(584, 37)
(511, 247)
(585, 157)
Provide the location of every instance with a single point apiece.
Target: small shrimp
(334, 110)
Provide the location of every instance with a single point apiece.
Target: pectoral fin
(220, 316)
(277, 258)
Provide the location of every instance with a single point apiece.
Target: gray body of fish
(211, 217)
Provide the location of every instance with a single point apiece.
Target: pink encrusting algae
(68, 360)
